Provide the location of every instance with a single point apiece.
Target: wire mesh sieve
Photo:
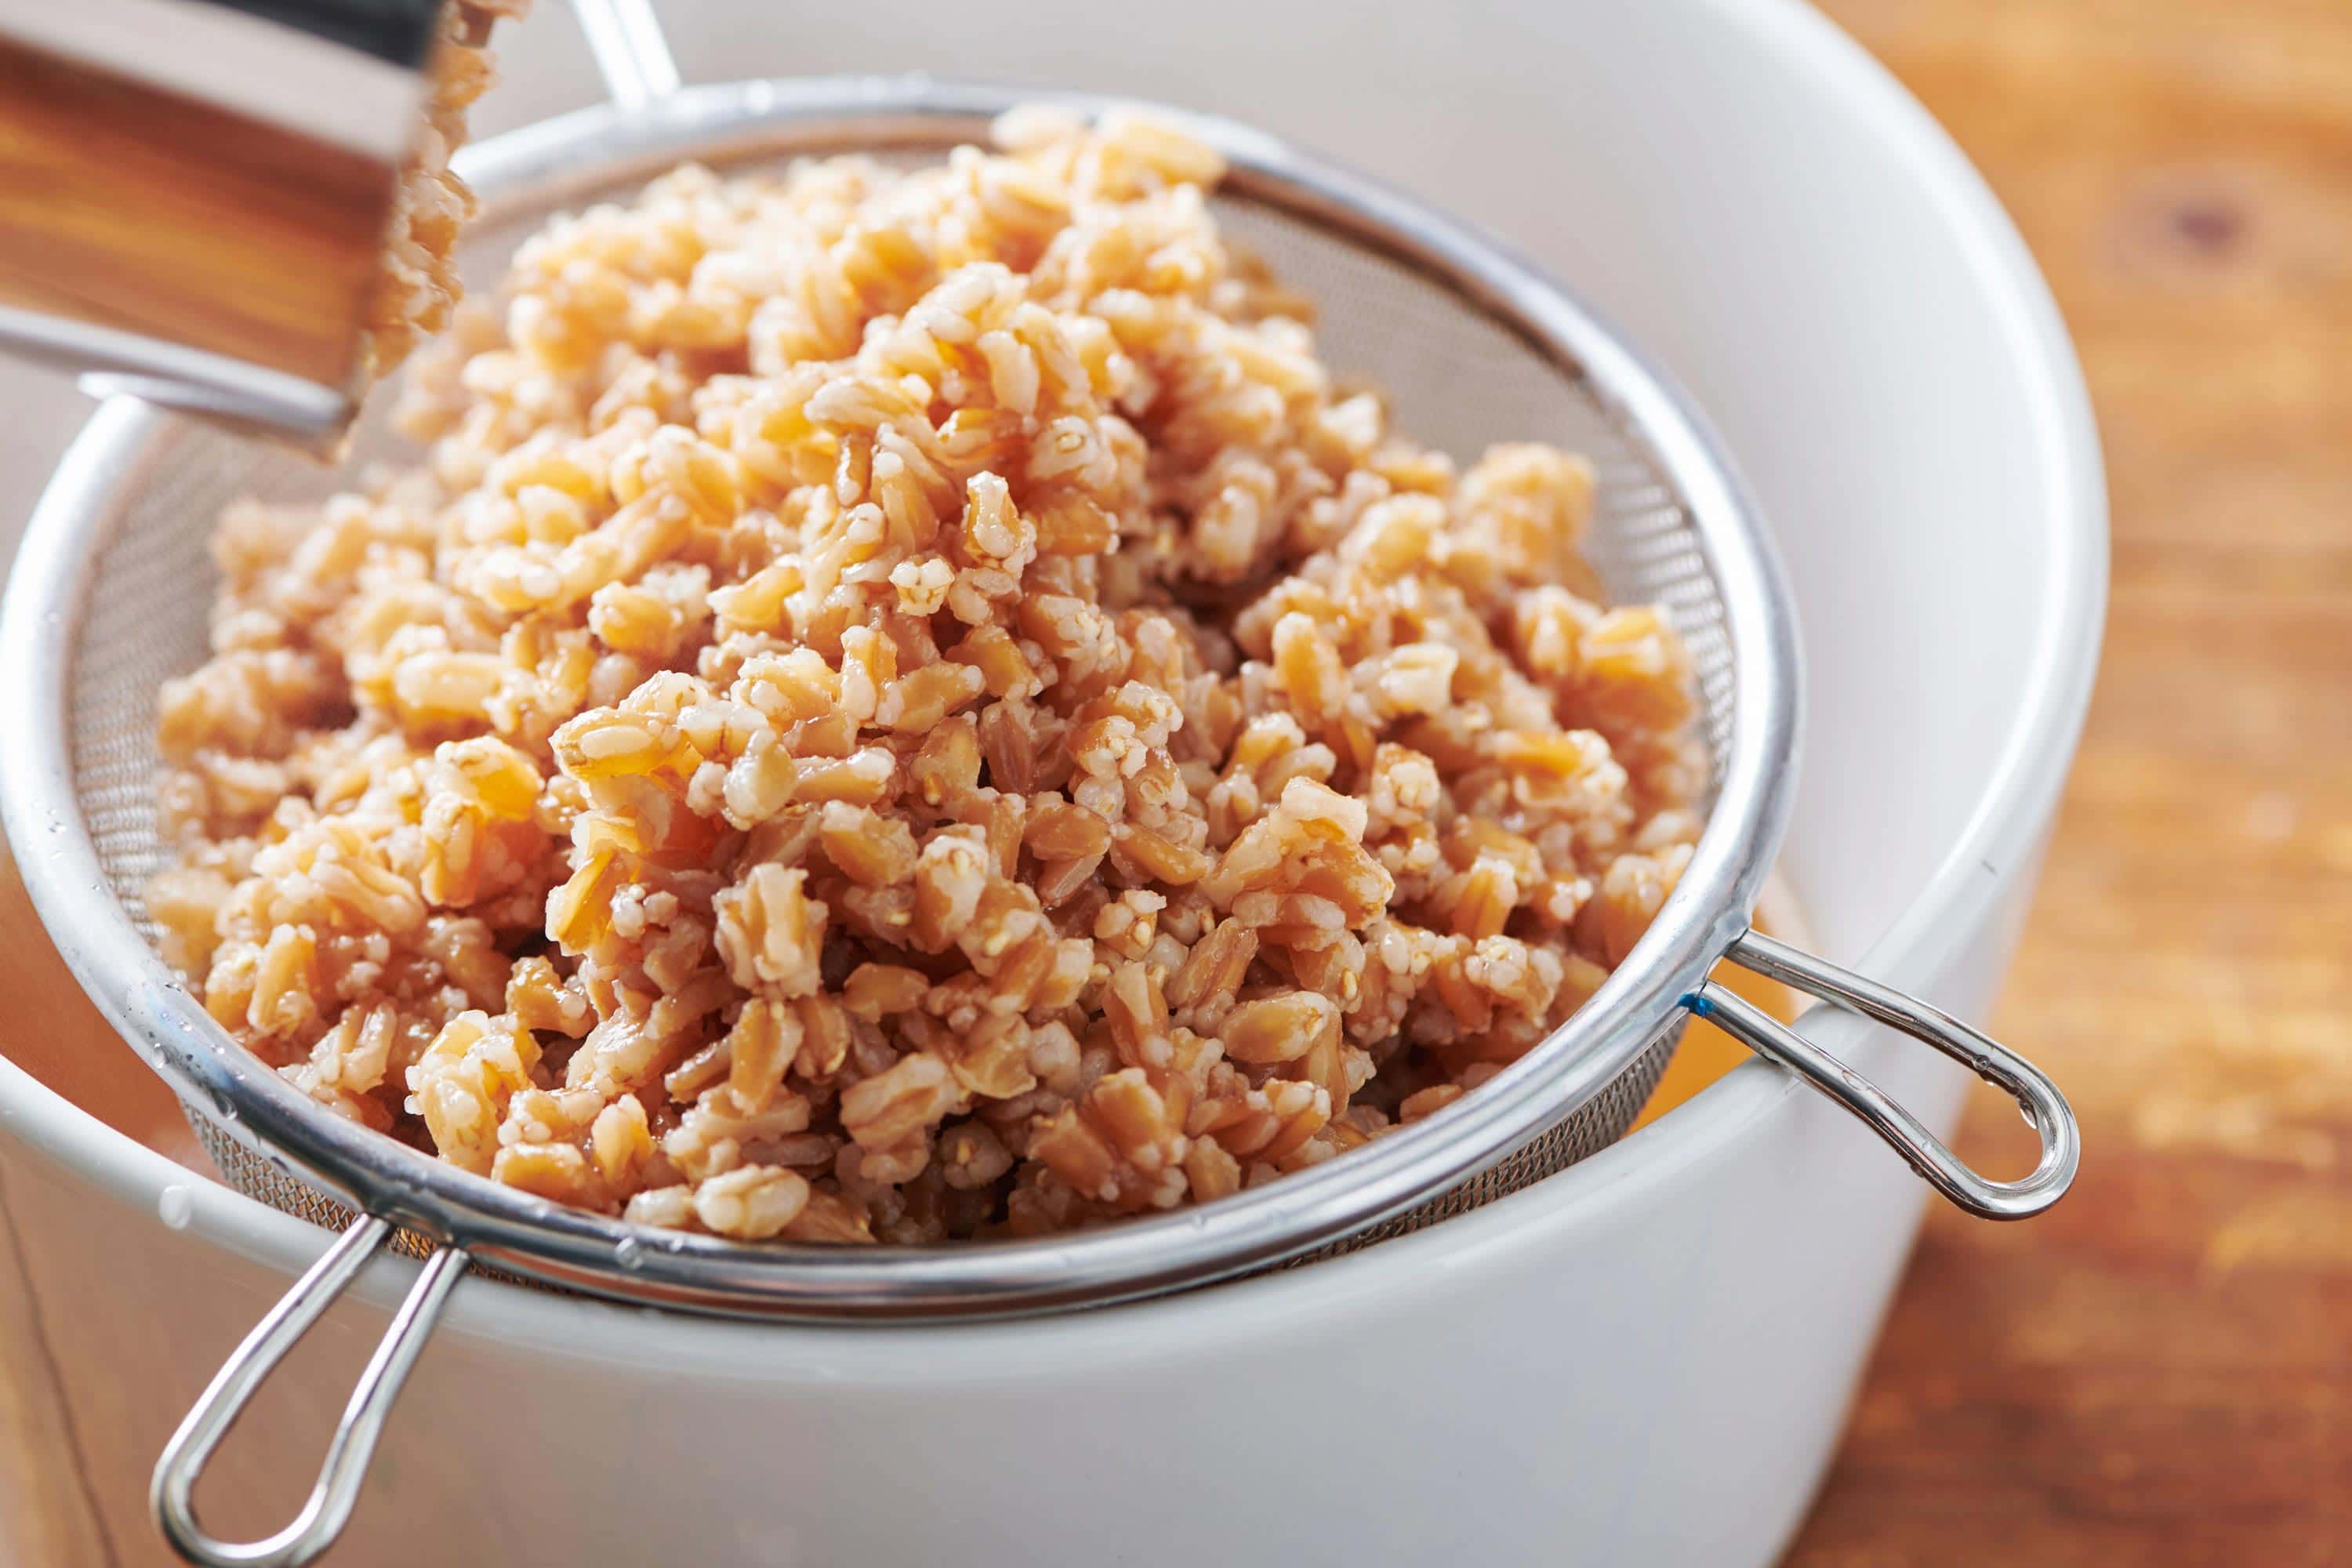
(111, 596)
(1458, 378)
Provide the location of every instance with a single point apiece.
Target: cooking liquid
(1707, 1053)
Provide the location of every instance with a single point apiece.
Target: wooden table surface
(2160, 1372)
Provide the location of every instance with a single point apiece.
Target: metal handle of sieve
(632, 55)
(635, 59)
(2046, 1111)
(217, 1410)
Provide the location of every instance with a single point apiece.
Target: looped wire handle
(2046, 1111)
(635, 61)
(217, 1410)
(631, 52)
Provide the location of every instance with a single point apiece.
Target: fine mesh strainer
(110, 595)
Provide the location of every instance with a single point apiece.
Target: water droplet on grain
(629, 1253)
(175, 1206)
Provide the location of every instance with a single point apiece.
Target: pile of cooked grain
(909, 706)
(417, 288)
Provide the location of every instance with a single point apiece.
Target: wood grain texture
(2160, 1372)
(46, 1517)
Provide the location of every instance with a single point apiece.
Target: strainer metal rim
(1705, 917)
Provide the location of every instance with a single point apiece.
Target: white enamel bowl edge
(1645, 1360)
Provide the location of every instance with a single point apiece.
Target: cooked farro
(910, 705)
(418, 286)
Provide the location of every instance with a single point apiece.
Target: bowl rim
(1995, 846)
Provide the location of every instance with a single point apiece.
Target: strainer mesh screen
(1458, 380)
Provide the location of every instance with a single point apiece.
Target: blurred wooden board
(46, 1520)
(46, 1517)
(2160, 1372)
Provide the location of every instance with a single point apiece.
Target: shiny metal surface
(230, 392)
(240, 1377)
(631, 53)
(2046, 1111)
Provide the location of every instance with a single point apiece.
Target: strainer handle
(631, 53)
(2046, 1111)
(329, 1507)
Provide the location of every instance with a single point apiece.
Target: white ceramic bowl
(1642, 1361)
